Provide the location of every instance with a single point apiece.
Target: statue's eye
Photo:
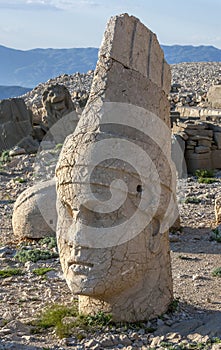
(139, 188)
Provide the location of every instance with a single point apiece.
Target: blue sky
(26, 24)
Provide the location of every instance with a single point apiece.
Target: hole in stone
(139, 188)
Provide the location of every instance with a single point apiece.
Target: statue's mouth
(80, 267)
(80, 263)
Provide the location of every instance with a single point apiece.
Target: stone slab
(217, 138)
(214, 96)
(202, 149)
(15, 122)
(192, 132)
(197, 161)
(135, 53)
(216, 159)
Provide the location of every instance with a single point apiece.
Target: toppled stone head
(57, 103)
(115, 181)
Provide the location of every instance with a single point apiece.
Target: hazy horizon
(29, 24)
(93, 47)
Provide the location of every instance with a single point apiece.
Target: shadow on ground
(196, 241)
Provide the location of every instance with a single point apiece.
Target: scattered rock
(34, 214)
(191, 82)
(15, 122)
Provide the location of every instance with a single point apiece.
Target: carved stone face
(54, 94)
(105, 271)
(106, 251)
(57, 103)
(114, 181)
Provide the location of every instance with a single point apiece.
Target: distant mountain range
(12, 91)
(31, 67)
(188, 53)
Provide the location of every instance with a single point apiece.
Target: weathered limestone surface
(34, 214)
(15, 122)
(128, 276)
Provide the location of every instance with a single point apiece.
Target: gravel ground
(194, 256)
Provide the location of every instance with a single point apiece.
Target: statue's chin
(79, 287)
(81, 284)
(85, 290)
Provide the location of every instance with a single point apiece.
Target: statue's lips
(80, 267)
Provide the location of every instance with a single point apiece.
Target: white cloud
(59, 4)
(68, 4)
(29, 5)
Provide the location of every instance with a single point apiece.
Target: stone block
(193, 126)
(148, 96)
(183, 135)
(191, 143)
(214, 127)
(177, 152)
(214, 96)
(199, 137)
(216, 159)
(217, 138)
(196, 132)
(15, 122)
(203, 142)
(143, 56)
(202, 149)
(188, 147)
(196, 161)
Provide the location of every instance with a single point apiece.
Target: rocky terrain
(190, 84)
(194, 319)
(78, 85)
(196, 76)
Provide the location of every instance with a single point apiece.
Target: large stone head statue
(115, 181)
(57, 103)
